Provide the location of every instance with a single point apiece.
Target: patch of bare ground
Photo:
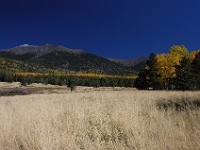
(15, 88)
(112, 120)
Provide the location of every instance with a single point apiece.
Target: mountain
(132, 62)
(61, 58)
(27, 52)
(136, 63)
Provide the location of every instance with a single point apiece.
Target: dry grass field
(97, 120)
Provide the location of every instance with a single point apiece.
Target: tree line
(177, 70)
(70, 80)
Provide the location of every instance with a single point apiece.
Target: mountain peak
(41, 50)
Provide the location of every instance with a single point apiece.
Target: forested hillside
(27, 73)
(21, 66)
(63, 59)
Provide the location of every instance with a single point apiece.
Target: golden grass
(9, 85)
(112, 120)
(30, 73)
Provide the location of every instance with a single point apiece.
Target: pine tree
(151, 70)
(96, 82)
(103, 82)
(141, 81)
(113, 82)
(130, 83)
(120, 82)
(30, 79)
(196, 71)
(6, 76)
(183, 75)
(71, 83)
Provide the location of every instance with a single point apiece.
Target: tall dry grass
(114, 120)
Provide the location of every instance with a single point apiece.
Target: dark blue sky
(122, 29)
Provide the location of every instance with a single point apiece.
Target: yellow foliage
(165, 66)
(193, 54)
(3, 62)
(101, 75)
(29, 73)
(166, 62)
(179, 51)
(75, 75)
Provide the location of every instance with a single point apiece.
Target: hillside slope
(132, 62)
(65, 59)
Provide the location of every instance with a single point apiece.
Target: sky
(122, 29)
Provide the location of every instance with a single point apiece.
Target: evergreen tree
(61, 81)
(130, 83)
(113, 82)
(56, 80)
(15, 78)
(6, 76)
(30, 79)
(120, 82)
(71, 83)
(141, 81)
(103, 82)
(22, 80)
(81, 81)
(183, 75)
(196, 71)
(98, 84)
(151, 70)
(125, 82)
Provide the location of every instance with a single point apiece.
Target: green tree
(141, 81)
(151, 70)
(196, 71)
(183, 75)
(81, 81)
(22, 80)
(6, 76)
(166, 64)
(113, 82)
(30, 79)
(130, 82)
(102, 82)
(120, 82)
(97, 82)
(125, 82)
(71, 83)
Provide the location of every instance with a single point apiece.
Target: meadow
(97, 120)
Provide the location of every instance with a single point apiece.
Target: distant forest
(70, 81)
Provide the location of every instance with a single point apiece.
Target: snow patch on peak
(25, 45)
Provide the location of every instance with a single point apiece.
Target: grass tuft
(179, 104)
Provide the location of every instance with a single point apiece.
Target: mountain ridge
(43, 49)
(130, 62)
(61, 58)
